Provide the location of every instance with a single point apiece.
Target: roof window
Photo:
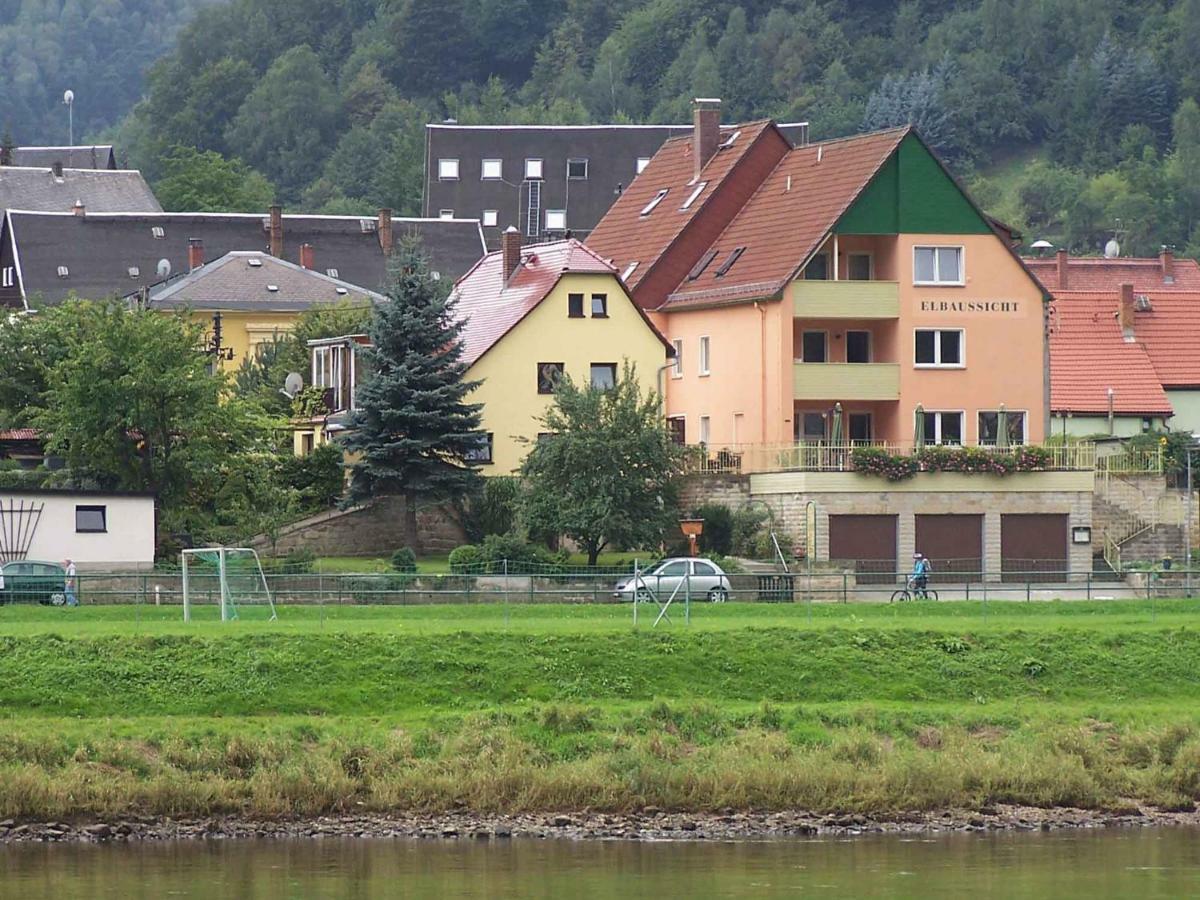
(341, 290)
(629, 270)
(157, 232)
(729, 261)
(63, 271)
(696, 192)
(701, 265)
(332, 273)
(658, 198)
(134, 271)
(254, 262)
(273, 288)
(728, 142)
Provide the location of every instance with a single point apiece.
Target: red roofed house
(532, 314)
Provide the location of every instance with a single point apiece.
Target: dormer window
(694, 195)
(729, 261)
(658, 198)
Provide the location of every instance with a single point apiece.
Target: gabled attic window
(729, 261)
(696, 192)
(699, 267)
(658, 198)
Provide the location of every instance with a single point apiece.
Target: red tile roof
(492, 306)
(19, 434)
(1089, 354)
(1101, 274)
(625, 236)
(789, 216)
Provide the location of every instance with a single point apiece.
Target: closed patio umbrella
(835, 432)
(919, 428)
(1002, 428)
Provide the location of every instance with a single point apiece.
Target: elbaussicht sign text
(982, 306)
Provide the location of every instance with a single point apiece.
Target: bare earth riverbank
(651, 824)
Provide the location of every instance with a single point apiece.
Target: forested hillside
(100, 49)
(1070, 117)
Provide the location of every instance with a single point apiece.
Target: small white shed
(98, 530)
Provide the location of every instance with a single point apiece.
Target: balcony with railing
(846, 299)
(847, 381)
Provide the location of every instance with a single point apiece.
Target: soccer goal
(230, 576)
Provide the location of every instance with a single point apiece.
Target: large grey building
(546, 180)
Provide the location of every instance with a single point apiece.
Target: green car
(27, 581)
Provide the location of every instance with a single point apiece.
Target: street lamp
(69, 99)
(692, 529)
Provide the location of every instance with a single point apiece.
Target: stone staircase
(1137, 519)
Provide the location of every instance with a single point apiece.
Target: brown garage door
(869, 542)
(954, 545)
(1033, 544)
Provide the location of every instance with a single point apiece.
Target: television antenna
(69, 99)
(292, 385)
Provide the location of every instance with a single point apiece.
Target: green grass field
(876, 708)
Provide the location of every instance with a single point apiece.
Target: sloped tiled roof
(491, 305)
(98, 190)
(86, 156)
(1100, 274)
(789, 216)
(1089, 354)
(256, 281)
(19, 434)
(625, 236)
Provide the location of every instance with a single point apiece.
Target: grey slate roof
(90, 156)
(115, 254)
(611, 151)
(99, 190)
(253, 280)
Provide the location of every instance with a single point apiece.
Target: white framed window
(938, 265)
(577, 169)
(677, 369)
(642, 162)
(629, 270)
(447, 170)
(940, 348)
(989, 421)
(658, 198)
(705, 429)
(157, 232)
(6, 277)
(490, 218)
(694, 195)
(491, 170)
(943, 427)
(533, 169)
(556, 220)
(445, 214)
(63, 271)
(705, 355)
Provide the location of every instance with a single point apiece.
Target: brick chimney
(1125, 314)
(195, 253)
(706, 132)
(1063, 258)
(385, 231)
(510, 247)
(1166, 258)
(276, 229)
(307, 257)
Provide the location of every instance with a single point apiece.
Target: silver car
(676, 577)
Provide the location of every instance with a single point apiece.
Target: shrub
(717, 536)
(747, 523)
(492, 510)
(404, 560)
(465, 558)
(299, 561)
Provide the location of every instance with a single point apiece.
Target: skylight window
(658, 198)
(701, 265)
(728, 142)
(157, 232)
(273, 288)
(332, 273)
(729, 261)
(254, 262)
(696, 192)
(629, 270)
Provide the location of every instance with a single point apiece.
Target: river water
(1141, 863)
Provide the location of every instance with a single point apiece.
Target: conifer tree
(413, 430)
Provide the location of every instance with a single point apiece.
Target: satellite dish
(164, 268)
(292, 385)
(68, 97)
(1042, 244)
(1112, 249)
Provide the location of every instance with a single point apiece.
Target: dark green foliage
(491, 510)
(195, 181)
(717, 536)
(318, 478)
(414, 432)
(465, 558)
(404, 560)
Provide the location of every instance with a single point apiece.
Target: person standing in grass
(72, 600)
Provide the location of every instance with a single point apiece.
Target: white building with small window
(98, 531)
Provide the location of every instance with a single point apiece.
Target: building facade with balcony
(829, 292)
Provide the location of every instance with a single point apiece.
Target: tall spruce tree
(414, 432)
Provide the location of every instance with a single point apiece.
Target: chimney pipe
(1125, 314)
(1062, 257)
(307, 257)
(385, 231)
(277, 231)
(510, 248)
(56, 168)
(1166, 258)
(6, 150)
(79, 209)
(195, 253)
(706, 132)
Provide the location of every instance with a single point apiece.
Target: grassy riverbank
(860, 712)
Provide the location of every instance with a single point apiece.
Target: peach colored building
(831, 286)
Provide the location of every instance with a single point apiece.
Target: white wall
(126, 544)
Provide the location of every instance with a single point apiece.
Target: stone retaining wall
(373, 529)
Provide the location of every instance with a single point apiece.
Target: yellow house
(531, 314)
(246, 299)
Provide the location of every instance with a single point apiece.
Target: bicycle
(911, 592)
